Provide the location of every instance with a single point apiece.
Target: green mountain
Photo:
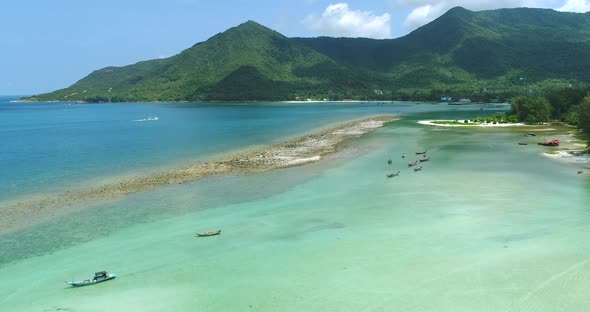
(482, 55)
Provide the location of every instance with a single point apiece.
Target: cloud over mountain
(425, 11)
(580, 6)
(339, 20)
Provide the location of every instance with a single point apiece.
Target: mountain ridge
(483, 55)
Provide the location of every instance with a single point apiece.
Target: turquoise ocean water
(487, 225)
(52, 146)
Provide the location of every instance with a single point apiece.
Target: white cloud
(340, 21)
(580, 6)
(425, 11)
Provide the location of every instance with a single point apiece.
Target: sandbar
(19, 214)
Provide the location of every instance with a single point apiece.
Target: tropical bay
(334, 233)
(295, 156)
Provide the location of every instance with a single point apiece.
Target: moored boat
(99, 277)
(212, 233)
(412, 164)
(520, 143)
(554, 142)
(425, 159)
(421, 153)
(418, 168)
(391, 175)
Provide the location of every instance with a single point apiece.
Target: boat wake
(151, 118)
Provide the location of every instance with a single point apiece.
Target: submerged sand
(17, 215)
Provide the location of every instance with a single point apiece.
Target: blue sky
(50, 44)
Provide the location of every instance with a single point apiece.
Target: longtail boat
(213, 233)
(391, 175)
(520, 143)
(99, 277)
(425, 159)
(418, 168)
(421, 153)
(412, 164)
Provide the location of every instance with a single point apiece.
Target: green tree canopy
(531, 109)
(584, 117)
(564, 102)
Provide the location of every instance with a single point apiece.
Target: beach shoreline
(22, 213)
(570, 157)
(570, 150)
(432, 123)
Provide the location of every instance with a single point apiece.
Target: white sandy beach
(431, 123)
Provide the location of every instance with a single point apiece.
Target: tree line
(571, 106)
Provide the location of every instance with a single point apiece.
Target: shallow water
(50, 147)
(487, 225)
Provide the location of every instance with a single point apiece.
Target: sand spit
(17, 215)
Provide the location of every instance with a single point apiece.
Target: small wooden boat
(580, 172)
(412, 164)
(213, 233)
(391, 175)
(418, 168)
(425, 159)
(531, 134)
(519, 143)
(421, 153)
(99, 277)
(554, 142)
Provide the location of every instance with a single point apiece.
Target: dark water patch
(308, 227)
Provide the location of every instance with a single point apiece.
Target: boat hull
(205, 234)
(92, 282)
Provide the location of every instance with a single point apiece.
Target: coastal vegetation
(570, 106)
(583, 116)
(531, 109)
(487, 55)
